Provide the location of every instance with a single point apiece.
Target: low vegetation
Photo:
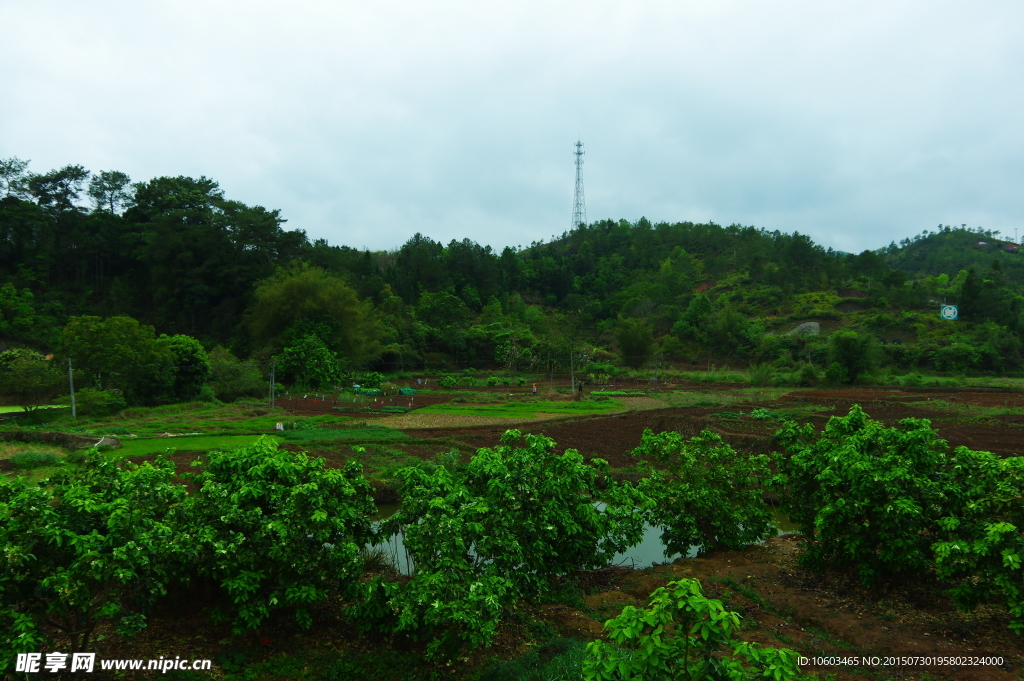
(499, 532)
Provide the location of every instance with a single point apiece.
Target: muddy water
(650, 550)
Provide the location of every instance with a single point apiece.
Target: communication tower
(579, 204)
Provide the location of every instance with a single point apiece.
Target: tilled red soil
(979, 397)
(614, 437)
(1001, 434)
(818, 615)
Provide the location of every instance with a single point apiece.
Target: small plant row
(453, 381)
(25, 460)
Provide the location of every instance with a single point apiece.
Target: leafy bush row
(277, 531)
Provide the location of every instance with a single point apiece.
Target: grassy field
(193, 417)
(9, 410)
(344, 436)
(9, 449)
(202, 443)
(719, 398)
(525, 409)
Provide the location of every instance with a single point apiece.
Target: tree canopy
(177, 255)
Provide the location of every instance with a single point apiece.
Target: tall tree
(192, 365)
(203, 255)
(635, 340)
(29, 378)
(111, 190)
(58, 190)
(123, 354)
(13, 177)
(300, 299)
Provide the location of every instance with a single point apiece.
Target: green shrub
(871, 497)
(982, 549)
(808, 375)
(493, 381)
(77, 456)
(836, 373)
(705, 493)
(27, 460)
(29, 378)
(448, 382)
(206, 394)
(276, 530)
(96, 402)
(371, 379)
(761, 374)
(488, 533)
(95, 543)
(682, 635)
(855, 353)
(912, 380)
(310, 364)
(607, 369)
(233, 380)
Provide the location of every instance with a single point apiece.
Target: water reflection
(650, 550)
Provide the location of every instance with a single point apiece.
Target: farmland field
(15, 410)
(815, 613)
(193, 443)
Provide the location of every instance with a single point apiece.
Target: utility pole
(272, 387)
(71, 383)
(579, 204)
(572, 373)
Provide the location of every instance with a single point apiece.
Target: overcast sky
(364, 122)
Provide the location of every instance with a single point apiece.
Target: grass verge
(198, 443)
(525, 409)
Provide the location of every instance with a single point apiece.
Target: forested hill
(947, 250)
(179, 256)
(172, 252)
(176, 254)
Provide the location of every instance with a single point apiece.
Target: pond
(650, 550)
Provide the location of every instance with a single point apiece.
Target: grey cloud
(857, 123)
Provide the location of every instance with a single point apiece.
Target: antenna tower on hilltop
(579, 204)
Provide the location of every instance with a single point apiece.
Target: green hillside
(948, 250)
(166, 290)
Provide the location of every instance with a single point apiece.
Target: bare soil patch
(826, 614)
(1001, 434)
